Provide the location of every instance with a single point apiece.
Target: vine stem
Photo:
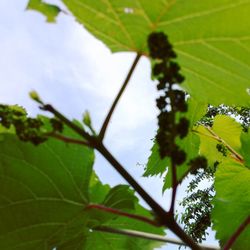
(67, 139)
(148, 236)
(164, 218)
(124, 85)
(174, 191)
(121, 213)
(237, 233)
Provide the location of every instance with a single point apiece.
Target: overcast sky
(72, 70)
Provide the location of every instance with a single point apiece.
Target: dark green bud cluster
(27, 129)
(171, 101)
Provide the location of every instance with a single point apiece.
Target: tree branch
(124, 85)
(148, 236)
(237, 233)
(121, 213)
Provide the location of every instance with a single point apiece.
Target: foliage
(54, 182)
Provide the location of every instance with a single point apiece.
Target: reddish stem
(237, 233)
(121, 213)
(67, 139)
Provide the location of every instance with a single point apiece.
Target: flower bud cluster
(26, 128)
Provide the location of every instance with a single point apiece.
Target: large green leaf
(43, 192)
(212, 39)
(232, 202)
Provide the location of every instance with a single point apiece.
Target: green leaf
(51, 11)
(208, 146)
(43, 192)
(245, 150)
(224, 128)
(210, 38)
(155, 164)
(232, 202)
(189, 144)
(229, 130)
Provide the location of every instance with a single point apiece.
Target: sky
(75, 72)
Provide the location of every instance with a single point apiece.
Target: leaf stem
(124, 85)
(77, 129)
(148, 236)
(237, 233)
(125, 214)
(67, 139)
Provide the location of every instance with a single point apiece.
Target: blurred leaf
(245, 149)
(231, 203)
(51, 11)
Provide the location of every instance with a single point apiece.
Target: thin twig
(148, 236)
(237, 233)
(67, 139)
(77, 129)
(174, 186)
(124, 85)
(121, 213)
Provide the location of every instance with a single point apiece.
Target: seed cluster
(172, 100)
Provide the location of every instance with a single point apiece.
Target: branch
(121, 213)
(237, 233)
(124, 85)
(148, 236)
(67, 139)
(77, 129)
(164, 218)
(159, 211)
